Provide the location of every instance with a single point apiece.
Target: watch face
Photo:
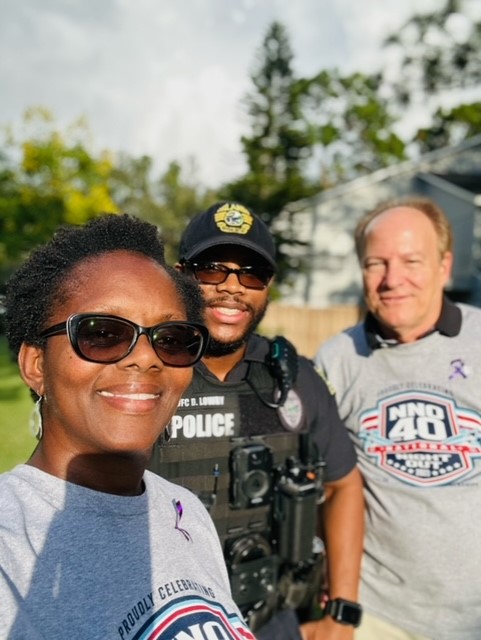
(345, 612)
(350, 614)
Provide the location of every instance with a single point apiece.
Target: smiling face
(232, 311)
(119, 408)
(404, 273)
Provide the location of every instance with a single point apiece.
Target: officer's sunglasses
(215, 273)
(106, 339)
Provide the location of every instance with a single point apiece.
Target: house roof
(423, 164)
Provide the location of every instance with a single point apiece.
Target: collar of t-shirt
(448, 324)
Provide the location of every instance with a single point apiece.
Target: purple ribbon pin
(178, 515)
(458, 369)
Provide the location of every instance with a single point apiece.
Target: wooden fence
(307, 328)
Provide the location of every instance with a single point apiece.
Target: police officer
(257, 435)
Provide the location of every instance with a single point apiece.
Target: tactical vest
(256, 470)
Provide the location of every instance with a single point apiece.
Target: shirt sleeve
(329, 432)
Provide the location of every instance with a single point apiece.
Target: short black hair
(41, 283)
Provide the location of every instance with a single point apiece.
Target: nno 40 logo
(423, 439)
(414, 419)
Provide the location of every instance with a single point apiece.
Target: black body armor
(244, 450)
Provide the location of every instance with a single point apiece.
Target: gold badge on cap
(233, 218)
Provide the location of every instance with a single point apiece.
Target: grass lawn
(16, 441)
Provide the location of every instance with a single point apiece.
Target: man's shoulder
(308, 372)
(340, 341)
(470, 323)
(469, 310)
(257, 346)
(260, 345)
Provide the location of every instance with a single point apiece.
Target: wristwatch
(344, 611)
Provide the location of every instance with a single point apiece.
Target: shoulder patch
(291, 413)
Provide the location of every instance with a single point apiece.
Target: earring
(36, 426)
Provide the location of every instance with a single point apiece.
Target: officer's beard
(217, 349)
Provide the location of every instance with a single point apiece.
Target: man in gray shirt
(407, 382)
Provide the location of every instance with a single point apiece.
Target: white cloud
(166, 78)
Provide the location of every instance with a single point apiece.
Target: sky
(166, 78)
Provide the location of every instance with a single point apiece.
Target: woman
(91, 544)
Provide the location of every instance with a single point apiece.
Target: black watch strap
(344, 611)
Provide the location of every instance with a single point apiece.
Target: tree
(351, 125)
(279, 147)
(307, 134)
(169, 201)
(47, 178)
(450, 126)
(50, 177)
(438, 58)
(439, 50)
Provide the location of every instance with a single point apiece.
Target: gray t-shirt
(414, 415)
(88, 565)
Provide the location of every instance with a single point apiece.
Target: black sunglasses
(215, 273)
(106, 339)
